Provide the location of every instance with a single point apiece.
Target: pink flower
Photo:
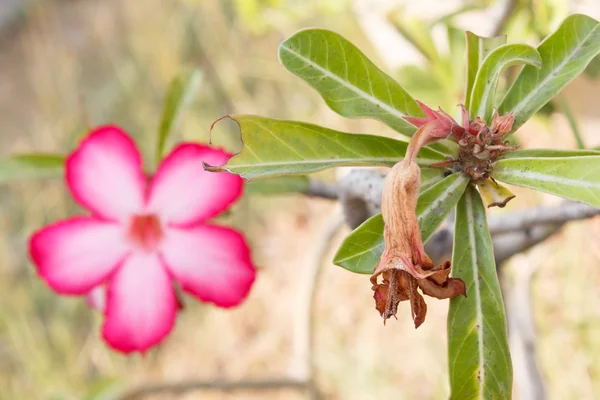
(144, 234)
(444, 125)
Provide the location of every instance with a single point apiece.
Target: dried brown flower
(404, 266)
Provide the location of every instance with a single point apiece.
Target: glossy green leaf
(180, 94)
(24, 166)
(574, 178)
(486, 81)
(431, 176)
(478, 354)
(477, 50)
(273, 147)
(456, 58)
(279, 185)
(593, 68)
(565, 54)
(361, 250)
(527, 153)
(347, 80)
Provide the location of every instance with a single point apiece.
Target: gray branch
(222, 386)
(360, 196)
(523, 220)
(359, 192)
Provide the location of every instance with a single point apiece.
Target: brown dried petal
(404, 266)
(453, 287)
(381, 293)
(502, 125)
(418, 307)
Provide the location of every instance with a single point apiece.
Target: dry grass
(74, 63)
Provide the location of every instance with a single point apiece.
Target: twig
(301, 365)
(360, 195)
(508, 8)
(521, 332)
(220, 385)
(508, 244)
(323, 189)
(523, 220)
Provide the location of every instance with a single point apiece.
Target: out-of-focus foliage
(74, 64)
(261, 16)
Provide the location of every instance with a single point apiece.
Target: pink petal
(417, 121)
(77, 254)
(105, 174)
(183, 193)
(210, 262)
(428, 111)
(466, 121)
(96, 298)
(141, 304)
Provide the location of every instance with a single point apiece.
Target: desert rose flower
(142, 235)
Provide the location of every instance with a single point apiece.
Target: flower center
(145, 231)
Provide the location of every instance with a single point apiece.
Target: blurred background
(66, 65)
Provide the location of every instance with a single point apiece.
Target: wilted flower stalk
(404, 266)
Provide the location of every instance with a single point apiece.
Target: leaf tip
(226, 116)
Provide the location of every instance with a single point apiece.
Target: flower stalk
(404, 266)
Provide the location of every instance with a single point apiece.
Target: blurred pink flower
(142, 235)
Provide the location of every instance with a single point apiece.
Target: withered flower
(501, 125)
(404, 266)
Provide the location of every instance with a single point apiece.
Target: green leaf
(431, 176)
(361, 250)
(180, 94)
(279, 185)
(565, 54)
(274, 147)
(478, 354)
(593, 68)
(24, 166)
(477, 49)
(486, 81)
(527, 153)
(456, 57)
(347, 80)
(574, 178)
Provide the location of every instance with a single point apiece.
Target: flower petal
(141, 304)
(183, 193)
(105, 174)
(211, 262)
(96, 298)
(77, 254)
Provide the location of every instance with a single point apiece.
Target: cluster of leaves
(354, 87)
